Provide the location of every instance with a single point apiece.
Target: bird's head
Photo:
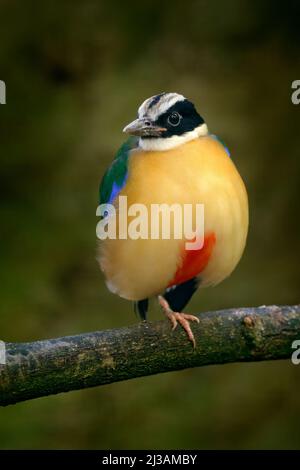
(166, 121)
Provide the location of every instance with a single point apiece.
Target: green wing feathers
(115, 177)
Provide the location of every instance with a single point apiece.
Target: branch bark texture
(52, 366)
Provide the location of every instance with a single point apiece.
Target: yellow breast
(199, 171)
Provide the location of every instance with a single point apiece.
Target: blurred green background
(75, 74)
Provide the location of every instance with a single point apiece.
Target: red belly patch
(194, 261)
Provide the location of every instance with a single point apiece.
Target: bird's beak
(144, 127)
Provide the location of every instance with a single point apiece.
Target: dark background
(75, 74)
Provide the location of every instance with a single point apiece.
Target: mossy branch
(52, 366)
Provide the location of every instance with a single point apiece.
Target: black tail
(141, 308)
(178, 296)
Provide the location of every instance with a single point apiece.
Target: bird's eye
(174, 119)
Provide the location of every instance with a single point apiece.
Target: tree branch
(52, 366)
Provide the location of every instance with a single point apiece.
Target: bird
(170, 158)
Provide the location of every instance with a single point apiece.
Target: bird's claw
(177, 317)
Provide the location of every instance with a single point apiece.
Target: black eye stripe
(189, 119)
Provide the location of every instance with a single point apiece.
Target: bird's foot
(177, 317)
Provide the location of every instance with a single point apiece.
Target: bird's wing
(112, 182)
(115, 177)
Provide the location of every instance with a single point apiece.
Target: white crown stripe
(165, 102)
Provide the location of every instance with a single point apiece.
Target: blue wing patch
(116, 188)
(116, 176)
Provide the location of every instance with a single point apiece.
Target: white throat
(167, 143)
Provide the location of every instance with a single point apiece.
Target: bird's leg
(177, 317)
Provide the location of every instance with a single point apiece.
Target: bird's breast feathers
(197, 172)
